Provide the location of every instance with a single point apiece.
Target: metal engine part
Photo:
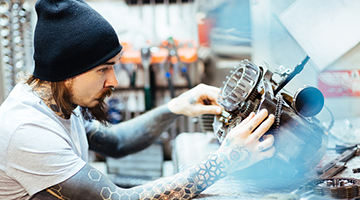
(338, 188)
(300, 140)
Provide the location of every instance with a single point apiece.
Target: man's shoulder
(24, 110)
(21, 106)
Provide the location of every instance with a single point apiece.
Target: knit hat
(70, 38)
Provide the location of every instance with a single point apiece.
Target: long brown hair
(60, 94)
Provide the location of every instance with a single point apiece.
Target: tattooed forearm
(89, 183)
(185, 185)
(130, 136)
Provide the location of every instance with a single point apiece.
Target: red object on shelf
(204, 28)
(339, 83)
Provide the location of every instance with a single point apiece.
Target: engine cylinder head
(239, 85)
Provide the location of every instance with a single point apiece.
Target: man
(48, 123)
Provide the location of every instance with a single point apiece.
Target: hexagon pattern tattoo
(182, 186)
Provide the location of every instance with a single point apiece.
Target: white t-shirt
(38, 149)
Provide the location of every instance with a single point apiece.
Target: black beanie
(70, 38)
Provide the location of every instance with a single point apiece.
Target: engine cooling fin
(239, 86)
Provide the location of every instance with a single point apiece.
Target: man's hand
(242, 148)
(201, 99)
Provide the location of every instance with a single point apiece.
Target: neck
(45, 93)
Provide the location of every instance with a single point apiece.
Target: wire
(332, 120)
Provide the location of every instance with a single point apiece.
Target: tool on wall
(174, 59)
(145, 61)
(179, 4)
(167, 5)
(168, 69)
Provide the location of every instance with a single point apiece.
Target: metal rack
(15, 43)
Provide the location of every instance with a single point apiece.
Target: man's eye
(104, 69)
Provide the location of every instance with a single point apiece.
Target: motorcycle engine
(300, 140)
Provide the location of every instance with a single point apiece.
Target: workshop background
(173, 45)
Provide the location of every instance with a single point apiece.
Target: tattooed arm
(140, 132)
(240, 149)
(132, 135)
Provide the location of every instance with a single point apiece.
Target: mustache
(100, 111)
(106, 93)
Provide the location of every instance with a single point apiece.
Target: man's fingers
(252, 121)
(248, 118)
(266, 143)
(267, 154)
(212, 88)
(255, 121)
(264, 127)
(202, 88)
(210, 98)
(209, 109)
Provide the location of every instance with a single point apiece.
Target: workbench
(192, 148)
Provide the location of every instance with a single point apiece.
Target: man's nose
(111, 80)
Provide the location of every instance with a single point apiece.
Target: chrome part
(337, 188)
(239, 85)
(238, 89)
(223, 123)
(279, 104)
(300, 141)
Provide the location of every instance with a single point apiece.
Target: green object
(145, 61)
(148, 98)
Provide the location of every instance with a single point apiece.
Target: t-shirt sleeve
(39, 157)
(91, 125)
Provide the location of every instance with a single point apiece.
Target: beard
(98, 112)
(63, 96)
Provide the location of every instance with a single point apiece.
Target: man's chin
(97, 112)
(91, 105)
